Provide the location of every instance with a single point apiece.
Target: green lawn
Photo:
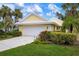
(42, 50)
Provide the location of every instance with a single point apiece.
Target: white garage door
(33, 30)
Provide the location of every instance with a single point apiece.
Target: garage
(32, 30)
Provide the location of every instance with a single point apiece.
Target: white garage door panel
(33, 30)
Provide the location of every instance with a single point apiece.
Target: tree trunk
(71, 28)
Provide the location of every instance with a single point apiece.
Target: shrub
(45, 35)
(14, 33)
(57, 37)
(63, 38)
(1, 32)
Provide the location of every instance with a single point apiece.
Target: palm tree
(60, 16)
(71, 16)
(9, 23)
(0, 13)
(70, 9)
(6, 14)
(1, 25)
(68, 22)
(17, 14)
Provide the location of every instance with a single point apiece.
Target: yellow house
(33, 24)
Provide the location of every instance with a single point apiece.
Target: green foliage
(14, 33)
(70, 9)
(71, 17)
(7, 14)
(11, 34)
(63, 38)
(1, 25)
(45, 35)
(76, 25)
(70, 21)
(67, 22)
(57, 37)
(18, 14)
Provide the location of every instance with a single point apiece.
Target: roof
(56, 21)
(35, 15)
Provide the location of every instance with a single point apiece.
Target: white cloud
(24, 14)
(24, 10)
(0, 5)
(34, 8)
(30, 9)
(20, 4)
(41, 14)
(12, 6)
(54, 8)
(49, 13)
(38, 8)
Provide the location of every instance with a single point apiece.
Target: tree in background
(71, 19)
(6, 14)
(60, 16)
(17, 14)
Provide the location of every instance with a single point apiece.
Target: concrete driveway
(15, 42)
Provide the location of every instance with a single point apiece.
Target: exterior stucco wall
(34, 18)
(27, 29)
(31, 29)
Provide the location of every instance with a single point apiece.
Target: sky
(45, 10)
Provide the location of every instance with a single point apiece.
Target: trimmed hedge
(11, 34)
(14, 33)
(57, 37)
